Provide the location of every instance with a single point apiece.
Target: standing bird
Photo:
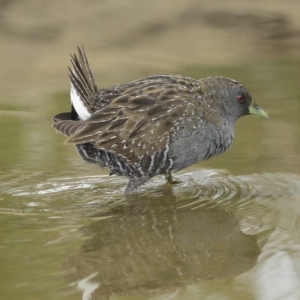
(154, 125)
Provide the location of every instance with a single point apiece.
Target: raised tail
(83, 84)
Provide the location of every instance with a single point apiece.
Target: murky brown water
(230, 230)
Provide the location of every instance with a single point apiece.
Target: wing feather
(132, 125)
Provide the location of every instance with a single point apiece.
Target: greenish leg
(170, 180)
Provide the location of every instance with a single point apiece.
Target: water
(230, 230)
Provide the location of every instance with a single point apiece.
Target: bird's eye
(240, 98)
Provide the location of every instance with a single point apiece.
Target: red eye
(240, 98)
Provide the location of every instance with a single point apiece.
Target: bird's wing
(132, 126)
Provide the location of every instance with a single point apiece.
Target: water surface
(230, 230)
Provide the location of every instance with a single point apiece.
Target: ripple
(199, 188)
(210, 185)
(41, 184)
(221, 186)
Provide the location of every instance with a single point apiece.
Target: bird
(151, 126)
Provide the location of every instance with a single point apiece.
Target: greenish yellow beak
(254, 109)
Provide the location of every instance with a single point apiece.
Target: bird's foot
(170, 179)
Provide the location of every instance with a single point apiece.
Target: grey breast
(202, 141)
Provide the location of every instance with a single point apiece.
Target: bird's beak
(254, 109)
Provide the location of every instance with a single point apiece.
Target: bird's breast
(203, 142)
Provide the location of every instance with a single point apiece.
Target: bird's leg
(170, 180)
(134, 183)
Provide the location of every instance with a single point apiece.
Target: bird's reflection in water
(150, 247)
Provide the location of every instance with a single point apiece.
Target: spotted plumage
(153, 125)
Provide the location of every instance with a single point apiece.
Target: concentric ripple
(197, 188)
(217, 186)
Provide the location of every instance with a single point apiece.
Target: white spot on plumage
(78, 104)
(171, 164)
(152, 162)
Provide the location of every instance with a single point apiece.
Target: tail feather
(62, 117)
(83, 84)
(67, 127)
(81, 76)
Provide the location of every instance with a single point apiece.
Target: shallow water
(230, 230)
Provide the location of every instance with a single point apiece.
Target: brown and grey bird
(154, 125)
